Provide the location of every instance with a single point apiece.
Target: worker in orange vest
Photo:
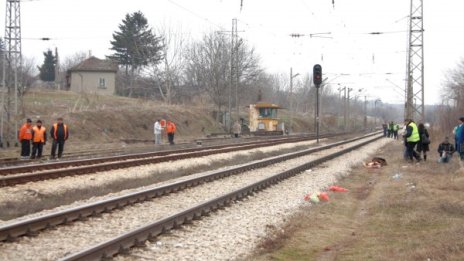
(25, 137)
(59, 133)
(39, 138)
(171, 130)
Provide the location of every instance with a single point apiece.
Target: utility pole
(340, 89)
(375, 110)
(57, 70)
(345, 109)
(365, 112)
(348, 102)
(356, 106)
(415, 72)
(234, 61)
(234, 74)
(12, 63)
(291, 98)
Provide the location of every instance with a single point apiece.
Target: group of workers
(170, 128)
(390, 130)
(417, 135)
(416, 140)
(37, 137)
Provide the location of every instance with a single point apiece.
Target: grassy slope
(108, 119)
(103, 121)
(381, 218)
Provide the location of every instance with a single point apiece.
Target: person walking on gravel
(171, 130)
(59, 133)
(236, 129)
(385, 129)
(396, 128)
(25, 137)
(412, 138)
(39, 138)
(158, 130)
(423, 144)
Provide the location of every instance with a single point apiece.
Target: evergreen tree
(47, 70)
(135, 44)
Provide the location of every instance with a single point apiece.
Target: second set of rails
(13, 231)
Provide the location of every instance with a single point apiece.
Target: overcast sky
(266, 24)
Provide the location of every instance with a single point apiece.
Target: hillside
(104, 119)
(107, 121)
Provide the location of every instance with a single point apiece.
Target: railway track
(37, 172)
(93, 153)
(134, 237)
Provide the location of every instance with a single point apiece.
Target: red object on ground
(324, 196)
(306, 197)
(337, 189)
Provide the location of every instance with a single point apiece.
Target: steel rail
(34, 225)
(11, 180)
(140, 235)
(99, 160)
(88, 154)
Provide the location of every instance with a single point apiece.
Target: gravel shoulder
(399, 212)
(234, 233)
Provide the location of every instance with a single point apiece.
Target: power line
(195, 14)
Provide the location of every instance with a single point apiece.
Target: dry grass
(417, 217)
(105, 120)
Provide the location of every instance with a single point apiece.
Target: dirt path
(417, 215)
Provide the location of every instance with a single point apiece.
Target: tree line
(452, 106)
(165, 64)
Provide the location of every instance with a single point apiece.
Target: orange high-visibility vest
(25, 133)
(39, 134)
(171, 127)
(55, 129)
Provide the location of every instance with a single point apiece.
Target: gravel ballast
(53, 244)
(233, 233)
(32, 197)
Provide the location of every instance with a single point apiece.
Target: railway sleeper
(208, 208)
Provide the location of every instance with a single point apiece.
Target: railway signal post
(317, 80)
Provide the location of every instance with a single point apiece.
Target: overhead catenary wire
(194, 14)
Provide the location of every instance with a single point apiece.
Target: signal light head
(317, 75)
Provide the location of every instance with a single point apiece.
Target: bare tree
(208, 67)
(167, 76)
(249, 70)
(28, 73)
(73, 60)
(452, 98)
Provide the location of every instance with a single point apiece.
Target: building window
(102, 83)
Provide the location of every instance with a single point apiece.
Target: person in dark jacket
(459, 137)
(59, 133)
(445, 150)
(423, 144)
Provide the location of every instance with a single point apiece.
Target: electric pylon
(414, 106)
(12, 63)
